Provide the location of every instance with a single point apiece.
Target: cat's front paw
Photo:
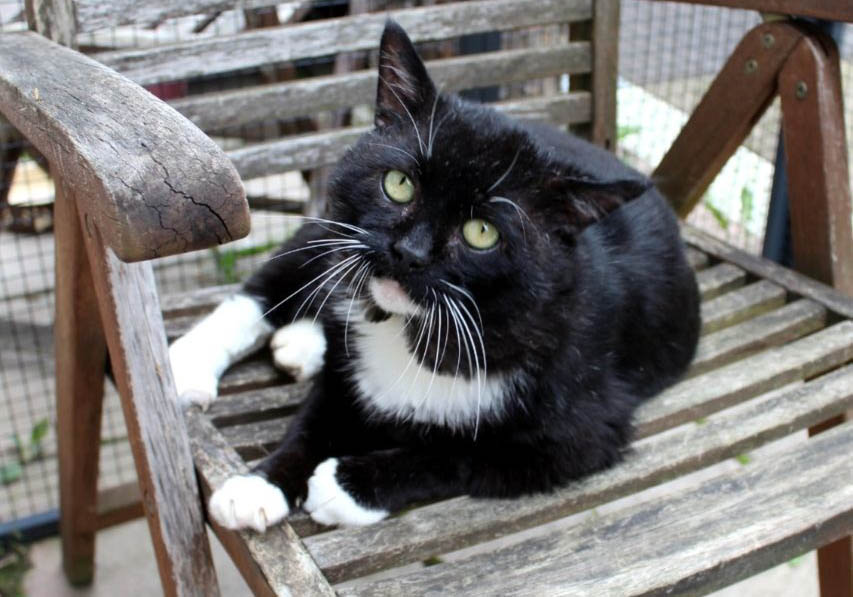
(195, 383)
(299, 348)
(329, 503)
(248, 501)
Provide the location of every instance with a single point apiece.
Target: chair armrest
(151, 182)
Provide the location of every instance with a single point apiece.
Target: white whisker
(356, 292)
(332, 289)
(412, 118)
(506, 173)
(522, 215)
(467, 295)
(396, 149)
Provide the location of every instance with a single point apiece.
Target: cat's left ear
(590, 201)
(404, 85)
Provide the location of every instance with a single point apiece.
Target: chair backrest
(304, 83)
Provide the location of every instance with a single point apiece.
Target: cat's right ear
(404, 85)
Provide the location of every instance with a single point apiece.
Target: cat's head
(460, 205)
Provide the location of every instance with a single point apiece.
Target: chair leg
(80, 360)
(813, 125)
(133, 326)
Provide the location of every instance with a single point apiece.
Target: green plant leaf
(744, 459)
(10, 473)
(747, 201)
(721, 218)
(39, 431)
(627, 130)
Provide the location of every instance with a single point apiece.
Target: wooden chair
(137, 181)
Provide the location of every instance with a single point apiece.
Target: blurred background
(669, 54)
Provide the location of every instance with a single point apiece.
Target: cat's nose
(413, 250)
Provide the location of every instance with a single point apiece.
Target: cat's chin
(390, 297)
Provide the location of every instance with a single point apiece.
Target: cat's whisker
(335, 250)
(411, 358)
(330, 241)
(414, 124)
(304, 286)
(506, 173)
(396, 149)
(316, 291)
(436, 306)
(485, 366)
(341, 278)
(522, 215)
(351, 227)
(460, 339)
(422, 358)
(431, 119)
(356, 293)
(467, 295)
(470, 338)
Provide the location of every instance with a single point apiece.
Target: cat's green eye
(480, 234)
(398, 186)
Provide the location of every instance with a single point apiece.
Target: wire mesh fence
(669, 54)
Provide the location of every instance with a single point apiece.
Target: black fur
(587, 294)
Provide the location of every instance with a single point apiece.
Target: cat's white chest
(393, 382)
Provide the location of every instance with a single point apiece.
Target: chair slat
(720, 388)
(325, 148)
(740, 305)
(719, 279)
(194, 302)
(730, 526)
(771, 329)
(92, 15)
(248, 375)
(463, 521)
(262, 403)
(218, 111)
(251, 49)
(697, 259)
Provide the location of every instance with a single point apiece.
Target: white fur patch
(235, 329)
(248, 501)
(390, 381)
(299, 348)
(391, 297)
(328, 503)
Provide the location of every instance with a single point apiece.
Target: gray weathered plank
(252, 405)
(223, 111)
(740, 305)
(762, 268)
(195, 302)
(325, 148)
(771, 329)
(462, 521)
(326, 37)
(256, 373)
(253, 440)
(154, 186)
(720, 388)
(274, 563)
(97, 14)
(729, 527)
(697, 259)
(719, 279)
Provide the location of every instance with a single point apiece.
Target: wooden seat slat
(770, 329)
(719, 279)
(301, 152)
(255, 439)
(255, 404)
(195, 302)
(727, 527)
(225, 110)
(249, 375)
(211, 56)
(696, 258)
(701, 395)
(740, 305)
(452, 524)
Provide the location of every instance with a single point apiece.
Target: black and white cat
(484, 309)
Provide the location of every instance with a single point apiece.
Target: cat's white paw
(195, 382)
(328, 503)
(299, 348)
(248, 501)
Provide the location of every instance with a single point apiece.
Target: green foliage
(14, 563)
(27, 451)
(626, 130)
(794, 562)
(226, 259)
(721, 218)
(744, 459)
(747, 200)
(432, 561)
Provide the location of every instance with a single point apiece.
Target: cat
(481, 313)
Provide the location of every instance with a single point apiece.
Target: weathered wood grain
(719, 279)
(153, 185)
(258, 404)
(258, 372)
(119, 504)
(255, 439)
(740, 305)
(130, 313)
(81, 355)
(452, 524)
(736, 100)
(831, 10)
(212, 56)
(308, 96)
(720, 388)
(97, 14)
(697, 259)
(196, 301)
(53, 19)
(605, 70)
(326, 147)
(273, 563)
(795, 282)
(771, 329)
(729, 527)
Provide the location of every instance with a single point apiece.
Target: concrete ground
(126, 566)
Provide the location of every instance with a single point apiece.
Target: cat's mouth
(391, 297)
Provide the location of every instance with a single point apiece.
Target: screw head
(751, 66)
(801, 90)
(768, 40)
